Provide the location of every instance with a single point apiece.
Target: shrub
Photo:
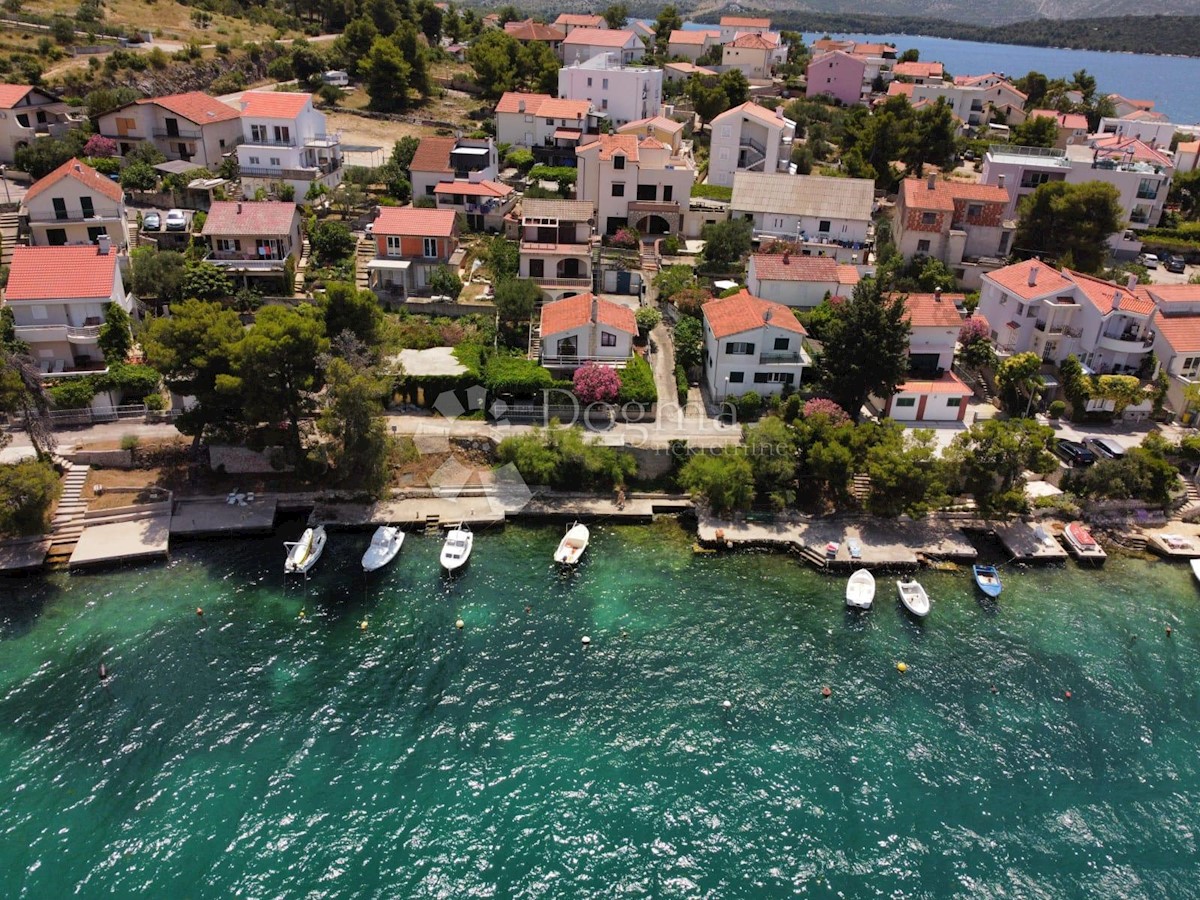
(647, 317)
(637, 383)
(626, 239)
(1057, 408)
(130, 441)
(595, 384)
(27, 489)
(154, 402)
(515, 375)
(681, 383)
(72, 393)
(821, 406)
(749, 406)
(520, 158)
(444, 283)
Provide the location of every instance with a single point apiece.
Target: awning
(392, 264)
(568, 134)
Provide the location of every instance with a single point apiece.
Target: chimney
(1033, 270)
(937, 295)
(779, 112)
(787, 258)
(1131, 282)
(1116, 299)
(78, 167)
(239, 208)
(520, 106)
(595, 308)
(1000, 180)
(932, 181)
(103, 244)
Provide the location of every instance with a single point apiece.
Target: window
(95, 233)
(589, 82)
(960, 274)
(56, 237)
(906, 401)
(737, 377)
(928, 218)
(783, 343)
(1190, 367)
(275, 161)
(739, 348)
(537, 268)
(607, 339)
(1020, 310)
(1033, 179)
(824, 225)
(258, 134)
(393, 245)
(922, 246)
(60, 208)
(228, 245)
(726, 131)
(619, 161)
(774, 377)
(618, 190)
(1147, 189)
(549, 121)
(668, 193)
(954, 402)
(1002, 250)
(283, 134)
(604, 105)
(974, 210)
(85, 204)
(38, 312)
(604, 84)
(254, 160)
(431, 247)
(568, 346)
(646, 191)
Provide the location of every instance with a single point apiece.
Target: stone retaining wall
(244, 461)
(106, 459)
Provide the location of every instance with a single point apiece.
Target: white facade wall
(596, 179)
(44, 222)
(927, 339)
(589, 345)
(265, 162)
(734, 374)
(937, 407)
(624, 93)
(205, 145)
(731, 133)
(59, 331)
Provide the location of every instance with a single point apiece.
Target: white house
(585, 328)
(799, 282)
(973, 104)
(932, 392)
(551, 128)
(556, 245)
(1176, 328)
(74, 204)
(568, 22)
(749, 138)
(619, 91)
(252, 240)
(461, 174)
(1034, 308)
(751, 344)
(284, 141)
(826, 216)
(584, 43)
(59, 298)
(26, 113)
(752, 54)
(635, 181)
(193, 127)
(692, 43)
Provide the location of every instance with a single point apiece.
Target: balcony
(311, 173)
(182, 134)
(544, 248)
(781, 357)
(556, 281)
(323, 140)
(1057, 328)
(1147, 195)
(74, 218)
(248, 262)
(57, 368)
(578, 360)
(1125, 343)
(653, 207)
(255, 142)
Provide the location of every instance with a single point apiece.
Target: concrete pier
(119, 542)
(23, 554)
(1027, 542)
(210, 516)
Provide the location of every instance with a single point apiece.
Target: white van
(336, 77)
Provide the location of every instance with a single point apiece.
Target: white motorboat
(304, 553)
(457, 548)
(385, 544)
(1195, 564)
(571, 547)
(914, 598)
(860, 589)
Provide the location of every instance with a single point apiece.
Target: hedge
(515, 375)
(712, 192)
(681, 383)
(637, 383)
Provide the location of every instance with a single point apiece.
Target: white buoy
(459, 624)
(586, 640)
(727, 705)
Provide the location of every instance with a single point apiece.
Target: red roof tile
(274, 104)
(11, 94)
(754, 111)
(432, 155)
(947, 384)
(510, 102)
(1073, 121)
(692, 36)
(1170, 293)
(915, 193)
(927, 311)
(744, 312)
(1106, 296)
(576, 312)
(1015, 279)
(1127, 148)
(580, 20)
(1182, 333)
(597, 37)
(901, 89)
(564, 109)
(248, 218)
(60, 273)
(848, 275)
(787, 267)
(744, 22)
(195, 106)
(610, 144)
(530, 30)
(406, 220)
(81, 172)
(918, 69)
(751, 41)
(473, 188)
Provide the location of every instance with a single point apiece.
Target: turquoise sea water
(254, 753)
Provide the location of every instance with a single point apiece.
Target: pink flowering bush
(626, 238)
(973, 330)
(596, 384)
(99, 145)
(820, 406)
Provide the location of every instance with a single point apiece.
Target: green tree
(204, 281)
(933, 139)
(516, 299)
(27, 491)
(444, 282)
(345, 308)
(386, 75)
(23, 394)
(331, 242)
(708, 98)
(139, 176)
(668, 20)
(1019, 382)
(308, 60)
(194, 349)
(992, 454)
(403, 151)
(276, 365)
(1036, 131)
(673, 279)
(865, 347)
(726, 242)
(538, 67)
(616, 15)
(503, 256)
(1034, 85)
(1061, 220)
(689, 342)
(907, 476)
(115, 339)
(355, 42)
(1185, 191)
(724, 480)
(771, 448)
(736, 87)
(352, 415)
(493, 58)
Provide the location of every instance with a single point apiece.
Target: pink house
(838, 75)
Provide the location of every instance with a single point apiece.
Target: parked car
(1074, 453)
(1176, 264)
(176, 220)
(1149, 260)
(151, 221)
(1105, 448)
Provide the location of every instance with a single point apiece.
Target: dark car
(1176, 264)
(1074, 453)
(1105, 448)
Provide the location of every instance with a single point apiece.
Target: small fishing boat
(860, 589)
(914, 598)
(1195, 564)
(987, 579)
(385, 544)
(571, 547)
(457, 548)
(304, 553)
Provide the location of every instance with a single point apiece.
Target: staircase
(1189, 503)
(649, 261)
(816, 557)
(597, 271)
(860, 488)
(133, 234)
(975, 382)
(535, 337)
(68, 518)
(8, 236)
(302, 267)
(364, 252)
(433, 524)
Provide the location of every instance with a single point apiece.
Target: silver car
(176, 220)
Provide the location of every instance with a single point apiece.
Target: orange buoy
(199, 611)
(826, 692)
(1168, 631)
(1067, 694)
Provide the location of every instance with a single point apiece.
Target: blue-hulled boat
(987, 579)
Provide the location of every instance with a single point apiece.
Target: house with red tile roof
(410, 244)
(74, 204)
(732, 26)
(961, 223)
(681, 71)
(919, 72)
(638, 181)
(26, 112)
(932, 392)
(749, 138)
(556, 245)
(552, 128)
(59, 297)
(584, 43)
(286, 141)
(974, 104)
(568, 22)
(252, 240)
(798, 281)
(1034, 308)
(530, 31)
(1123, 106)
(751, 344)
(461, 174)
(1150, 128)
(193, 127)
(1176, 328)
(752, 54)
(692, 43)
(1072, 127)
(586, 329)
